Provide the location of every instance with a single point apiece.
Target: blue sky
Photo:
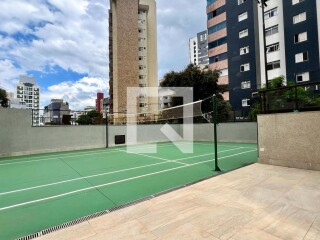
(64, 44)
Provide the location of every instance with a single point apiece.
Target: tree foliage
(4, 101)
(91, 118)
(204, 84)
(286, 96)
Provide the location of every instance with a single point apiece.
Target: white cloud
(78, 94)
(9, 75)
(73, 34)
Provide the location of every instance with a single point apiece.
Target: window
(142, 105)
(271, 13)
(303, 77)
(141, 49)
(243, 33)
(245, 85)
(273, 48)
(294, 2)
(245, 67)
(142, 76)
(217, 27)
(210, 1)
(241, 1)
(141, 39)
(242, 16)
(141, 67)
(224, 72)
(140, 30)
(218, 58)
(302, 57)
(273, 65)
(217, 42)
(244, 50)
(142, 85)
(142, 58)
(300, 37)
(299, 18)
(245, 103)
(216, 12)
(272, 30)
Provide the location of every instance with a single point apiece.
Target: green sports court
(39, 192)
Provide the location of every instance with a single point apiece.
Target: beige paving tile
(77, 232)
(253, 234)
(295, 226)
(119, 217)
(129, 230)
(189, 232)
(258, 197)
(166, 214)
(216, 197)
(177, 220)
(304, 198)
(222, 222)
(279, 183)
(313, 234)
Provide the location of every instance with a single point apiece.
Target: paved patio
(256, 202)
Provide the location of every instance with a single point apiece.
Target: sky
(64, 44)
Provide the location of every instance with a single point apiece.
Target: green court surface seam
(115, 182)
(113, 172)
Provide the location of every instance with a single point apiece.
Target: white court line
(104, 174)
(112, 183)
(54, 158)
(159, 158)
(208, 154)
(65, 155)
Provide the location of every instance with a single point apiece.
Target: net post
(215, 120)
(107, 130)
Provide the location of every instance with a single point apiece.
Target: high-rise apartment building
(133, 52)
(198, 49)
(236, 44)
(29, 93)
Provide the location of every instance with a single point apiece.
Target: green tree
(204, 84)
(92, 117)
(4, 101)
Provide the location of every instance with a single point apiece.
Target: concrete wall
(290, 140)
(145, 133)
(227, 132)
(18, 137)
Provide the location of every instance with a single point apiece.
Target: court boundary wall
(18, 137)
(290, 140)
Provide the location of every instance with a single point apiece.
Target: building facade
(29, 93)
(57, 112)
(243, 49)
(133, 52)
(198, 49)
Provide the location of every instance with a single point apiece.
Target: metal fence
(302, 97)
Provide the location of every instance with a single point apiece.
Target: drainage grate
(130, 204)
(65, 225)
(31, 236)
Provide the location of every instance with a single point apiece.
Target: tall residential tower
(198, 49)
(239, 44)
(133, 52)
(28, 93)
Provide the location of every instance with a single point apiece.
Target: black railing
(302, 97)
